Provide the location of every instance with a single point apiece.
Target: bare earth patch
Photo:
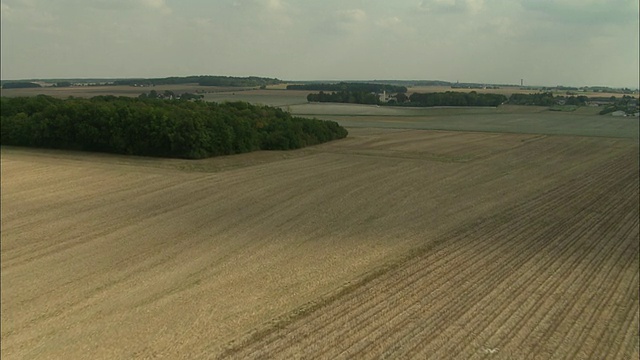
(400, 243)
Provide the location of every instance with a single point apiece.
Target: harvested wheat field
(390, 243)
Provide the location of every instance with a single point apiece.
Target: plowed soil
(390, 243)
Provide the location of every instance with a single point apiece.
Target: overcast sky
(545, 42)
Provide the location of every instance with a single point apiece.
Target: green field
(281, 98)
(508, 119)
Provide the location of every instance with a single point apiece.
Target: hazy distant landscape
(206, 119)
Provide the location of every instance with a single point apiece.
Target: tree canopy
(356, 97)
(542, 99)
(349, 87)
(150, 127)
(546, 99)
(449, 98)
(454, 98)
(203, 80)
(20, 85)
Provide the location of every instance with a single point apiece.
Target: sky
(544, 42)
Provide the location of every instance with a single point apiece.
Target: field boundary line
(419, 127)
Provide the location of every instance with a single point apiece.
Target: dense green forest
(151, 127)
(355, 97)
(350, 87)
(204, 80)
(20, 85)
(541, 99)
(449, 98)
(453, 98)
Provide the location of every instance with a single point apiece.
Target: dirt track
(522, 237)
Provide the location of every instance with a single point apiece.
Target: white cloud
(475, 5)
(588, 12)
(394, 29)
(389, 22)
(274, 4)
(5, 11)
(115, 5)
(351, 15)
(451, 6)
(24, 3)
(122, 6)
(437, 3)
(469, 40)
(342, 22)
(265, 14)
(27, 14)
(158, 5)
(502, 26)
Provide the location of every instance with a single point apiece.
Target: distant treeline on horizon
(352, 87)
(449, 98)
(456, 98)
(204, 80)
(20, 85)
(314, 85)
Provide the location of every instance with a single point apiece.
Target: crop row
(552, 276)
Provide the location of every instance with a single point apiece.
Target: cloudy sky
(545, 42)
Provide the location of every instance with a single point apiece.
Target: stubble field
(552, 276)
(397, 243)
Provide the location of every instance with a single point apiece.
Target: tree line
(349, 87)
(151, 127)
(546, 99)
(354, 97)
(541, 99)
(203, 80)
(20, 85)
(449, 98)
(454, 98)
(170, 95)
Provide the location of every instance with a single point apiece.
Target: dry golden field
(389, 243)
